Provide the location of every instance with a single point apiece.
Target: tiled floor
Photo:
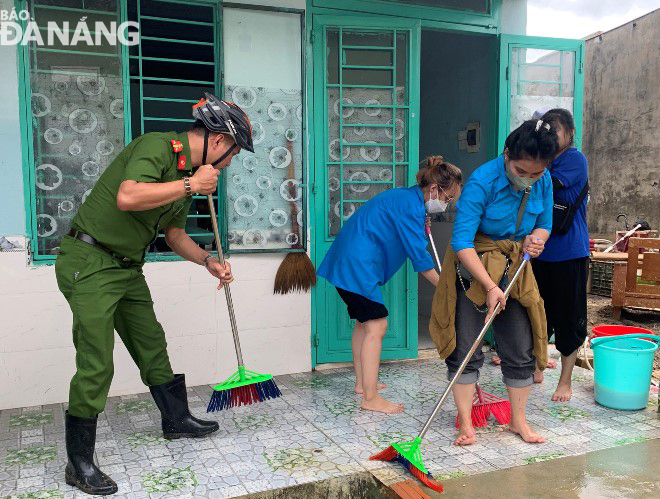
(314, 431)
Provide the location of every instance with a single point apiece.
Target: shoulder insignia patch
(177, 146)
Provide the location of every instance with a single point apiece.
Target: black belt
(86, 238)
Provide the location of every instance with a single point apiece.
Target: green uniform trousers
(106, 294)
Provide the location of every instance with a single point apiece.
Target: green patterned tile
(567, 413)
(447, 476)
(31, 455)
(31, 419)
(134, 407)
(341, 408)
(631, 440)
(290, 459)
(145, 439)
(39, 494)
(543, 457)
(386, 438)
(169, 480)
(495, 388)
(253, 421)
(393, 375)
(422, 396)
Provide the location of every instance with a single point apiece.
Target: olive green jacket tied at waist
(525, 291)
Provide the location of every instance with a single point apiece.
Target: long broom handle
(435, 251)
(627, 234)
(230, 303)
(475, 345)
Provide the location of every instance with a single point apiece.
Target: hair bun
(432, 161)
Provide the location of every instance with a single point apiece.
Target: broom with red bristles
(244, 387)
(484, 404)
(409, 453)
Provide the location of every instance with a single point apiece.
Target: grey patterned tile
(314, 431)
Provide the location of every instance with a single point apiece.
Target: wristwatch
(206, 260)
(186, 185)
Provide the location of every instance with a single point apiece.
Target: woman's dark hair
(437, 171)
(562, 117)
(534, 139)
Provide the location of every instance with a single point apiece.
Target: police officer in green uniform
(148, 187)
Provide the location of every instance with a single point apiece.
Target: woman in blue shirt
(566, 255)
(489, 205)
(370, 248)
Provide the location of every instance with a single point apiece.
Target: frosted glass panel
(265, 201)
(77, 106)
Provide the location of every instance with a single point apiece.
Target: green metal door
(539, 73)
(366, 100)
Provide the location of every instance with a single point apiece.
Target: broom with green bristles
(409, 453)
(244, 387)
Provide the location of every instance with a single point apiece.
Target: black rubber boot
(81, 471)
(172, 400)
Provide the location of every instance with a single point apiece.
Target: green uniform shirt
(149, 158)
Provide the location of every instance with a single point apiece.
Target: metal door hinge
(507, 73)
(315, 340)
(312, 36)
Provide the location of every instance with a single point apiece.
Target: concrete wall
(36, 349)
(622, 124)
(458, 86)
(513, 17)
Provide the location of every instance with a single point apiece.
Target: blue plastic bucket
(622, 370)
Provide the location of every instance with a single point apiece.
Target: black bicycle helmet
(221, 116)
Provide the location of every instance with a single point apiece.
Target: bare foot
(552, 364)
(526, 433)
(496, 360)
(379, 387)
(538, 376)
(466, 436)
(562, 393)
(379, 404)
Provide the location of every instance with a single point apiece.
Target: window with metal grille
(75, 124)
(176, 61)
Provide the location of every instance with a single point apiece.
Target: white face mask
(435, 205)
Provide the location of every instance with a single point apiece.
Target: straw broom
(296, 272)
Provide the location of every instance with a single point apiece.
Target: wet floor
(629, 471)
(316, 432)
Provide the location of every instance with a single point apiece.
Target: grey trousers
(513, 340)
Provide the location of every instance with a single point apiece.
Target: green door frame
(318, 150)
(510, 42)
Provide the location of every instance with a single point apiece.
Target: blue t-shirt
(489, 204)
(373, 244)
(571, 170)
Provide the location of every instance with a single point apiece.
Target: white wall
(36, 349)
(513, 17)
(37, 358)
